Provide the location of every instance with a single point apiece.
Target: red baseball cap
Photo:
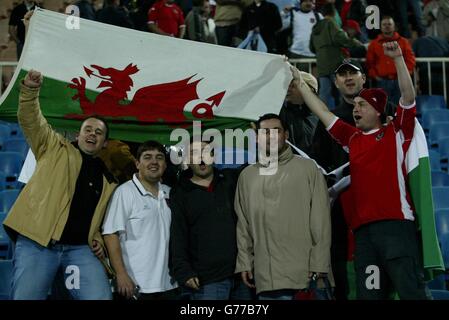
(376, 97)
(353, 25)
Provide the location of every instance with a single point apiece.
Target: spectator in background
(337, 17)
(326, 41)
(199, 25)
(263, 17)
(299, 121)
(381, 67)
(402, 7)
(302, 21)
(87, 10)
(283, 226)
(353, 30)
(136, 229)
(436, 18)
(166, 18)
(283, 35)
(352, 10)
(227, 17)
(16, 26)
(113, 14)
(138, 13)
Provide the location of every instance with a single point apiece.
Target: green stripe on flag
(56, 101)
(421, 192)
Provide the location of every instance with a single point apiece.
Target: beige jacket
(284, 227)
(41, 211)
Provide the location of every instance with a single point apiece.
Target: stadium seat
(16, 145)
(440, 294)
(440, 179)
(435, 163)
(5, 131)
(5, 278)
(7, 199)
(440, 197)
(11, 164)
(443, 148)
(439, 283)
(431, 117)
(438, 131)
(424, 103)
(2, 181)
(442, 228)
(5, 243)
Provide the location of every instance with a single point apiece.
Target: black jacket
(301, 124)
(203, 229)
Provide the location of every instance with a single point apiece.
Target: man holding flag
(386, 244)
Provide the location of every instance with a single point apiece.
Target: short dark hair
(151, 145)
(328, 9)
(102, 120)
(386, 17)
(269, 116)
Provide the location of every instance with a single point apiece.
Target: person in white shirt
(136, 230)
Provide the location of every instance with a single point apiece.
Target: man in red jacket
(380, 67)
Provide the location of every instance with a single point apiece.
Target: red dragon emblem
(154, 103)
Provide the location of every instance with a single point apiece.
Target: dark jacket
(266, 17)
(203, 229)
(356, 12)
(326, 42)
(301, 124)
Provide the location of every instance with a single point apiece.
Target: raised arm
(312, 101)
(393, 50)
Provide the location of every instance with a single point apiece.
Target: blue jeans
(284, 294)
(227, 289)
(35, 268)
(391, 87)
(325, 91)
(226, 34)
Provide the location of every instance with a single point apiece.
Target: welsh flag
(419, 178)
(144, 84)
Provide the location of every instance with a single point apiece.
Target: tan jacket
(284, 227)
(42, 209)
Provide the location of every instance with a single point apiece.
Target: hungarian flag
(419, 179)
(144, 84)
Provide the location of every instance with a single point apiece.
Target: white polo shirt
(143, 223)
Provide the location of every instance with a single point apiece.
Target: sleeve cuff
(332, 123)
(407, 107)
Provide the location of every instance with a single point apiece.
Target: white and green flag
(145, 84)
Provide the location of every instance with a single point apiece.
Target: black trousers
(387, 258)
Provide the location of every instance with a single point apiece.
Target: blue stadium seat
(431, 117)
(438, 131)
(440, 179)
(5, 131)
(5, 243)
(439, 283)
(16, 145)
(435, 163)
(11, 165)
(440, 294)
(7, 199)
(2, 181)
(443, 148)
(5, 279)
(424, 103)
(440, 197)
(442, 227)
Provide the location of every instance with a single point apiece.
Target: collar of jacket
(186, 184)
(283, 158)
(108, 175)
(395, 37)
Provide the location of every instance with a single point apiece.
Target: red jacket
(379, 65)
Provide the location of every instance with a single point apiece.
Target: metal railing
(429, 63)
(311, 62)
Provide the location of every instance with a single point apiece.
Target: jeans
(227, 289)
(285, 294)
(35, 267)
(325, 91)
(391, 87)
(402, 7)
(226, 34)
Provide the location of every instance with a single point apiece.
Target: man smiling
(56, 219)
(137, 229)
